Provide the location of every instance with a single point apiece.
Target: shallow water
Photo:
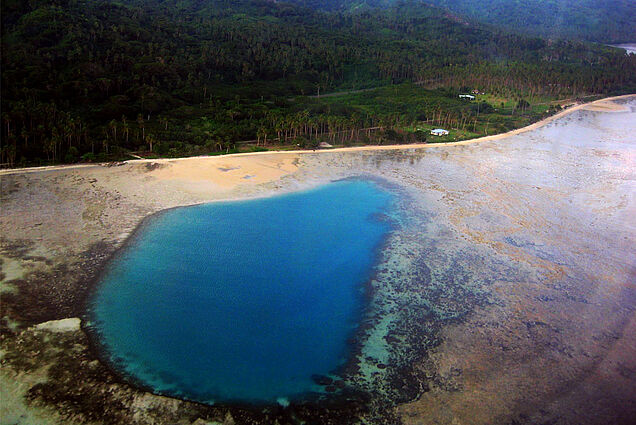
(507, 280)
(512, 270)
(243, 301)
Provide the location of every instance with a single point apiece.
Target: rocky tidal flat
(505, 293)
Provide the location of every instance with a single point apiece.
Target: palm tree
(278, 126)
(261, 133)
(164, 120)
(70, 129)
(25, 135)
(142, 126)
(150, 139)
(112, 125)
(55, 139)
(105, 141)
(125, 128)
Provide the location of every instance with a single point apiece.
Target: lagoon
(242, 301)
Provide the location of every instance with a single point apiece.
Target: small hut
(439, 132)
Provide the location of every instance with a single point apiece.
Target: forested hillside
(608, 21)
(94, 79)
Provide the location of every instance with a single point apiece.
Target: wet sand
(509, 297)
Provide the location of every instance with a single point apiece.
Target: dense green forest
(95, 79)
(607, 21)
(603, 21)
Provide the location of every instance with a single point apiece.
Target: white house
(467, 96)
(439, 132)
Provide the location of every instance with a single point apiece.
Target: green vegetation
(608, 21)
(408, 112)
(94, 80)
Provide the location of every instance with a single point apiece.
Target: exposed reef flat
(507, 294)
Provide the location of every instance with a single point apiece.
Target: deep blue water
(242, 301)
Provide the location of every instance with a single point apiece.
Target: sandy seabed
(508, 296)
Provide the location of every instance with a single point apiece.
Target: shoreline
(312, 400)
(69, 224)
(596, 105)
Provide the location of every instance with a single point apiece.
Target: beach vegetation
(119, 80)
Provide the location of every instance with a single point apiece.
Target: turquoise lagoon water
(242, 301)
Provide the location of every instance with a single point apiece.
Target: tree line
(85, 78)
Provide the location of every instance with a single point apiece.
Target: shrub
(88, 157)
(420, 136)
(72, 155)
